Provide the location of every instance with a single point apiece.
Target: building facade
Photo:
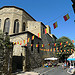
(21, 26)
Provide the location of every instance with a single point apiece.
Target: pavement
(46, 71)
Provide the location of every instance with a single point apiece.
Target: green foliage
(4, 40)
(63, 41)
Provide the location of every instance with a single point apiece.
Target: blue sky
(47, 11)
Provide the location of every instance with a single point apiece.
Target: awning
(51, 58)
(72, 56)
(71, 59)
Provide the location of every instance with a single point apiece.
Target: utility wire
(58, 17)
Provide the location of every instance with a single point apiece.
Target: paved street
(56, 71)
(48, 71)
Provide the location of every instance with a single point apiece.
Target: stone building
(20, 26)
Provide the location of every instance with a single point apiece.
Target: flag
(38, 35)
(41, 49)
(54, 49)
(18, 42)
(25, 44)
(46, 30)
(61, 50)
(73, 41)
(44, 50)
(54, 44)
(28, 39)
(47, 49)
(13, 43)
(60, 43)
(57, 53)
(36, 45)
(57, 48)
(64, 50)
(42, 45)
(31, 45)
(33, 37)
(55, 25)
(69, 43)
(49, 44)
(51, 49)
(64, 45)
(66, 42)
(24, 41)
(66, 17)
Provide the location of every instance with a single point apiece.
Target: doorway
(17, 63)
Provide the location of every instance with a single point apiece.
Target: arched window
(6, 25)
(23, 27)
(0, 23)
(16, 26)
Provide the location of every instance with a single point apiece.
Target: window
(0, 23)
(32, 42)
(16, 26)
(38, 47)
(23, 27)
(6, 25)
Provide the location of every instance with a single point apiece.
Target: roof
(54, 36)
(17, 8)
(43, 25)
(24, 32)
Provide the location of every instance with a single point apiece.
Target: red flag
(33, 37)
(54, 44)
(73, 41)
(38, 35)
(46, 31)
(42, 45)
(54, 49)
(66, 42)
(31, 45)
(66, 17)
(36, 45)
(25, 44)
(55, 25)
(24, 41)
(17, 42)
(60, 43)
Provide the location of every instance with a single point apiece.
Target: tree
(5, 54)
(66, 45)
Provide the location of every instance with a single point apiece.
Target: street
(56, 71)
(47, 71)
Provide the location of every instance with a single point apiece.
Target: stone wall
(13, 14)
(33, 58)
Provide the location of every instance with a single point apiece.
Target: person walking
(63, 66)
(67, 64)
